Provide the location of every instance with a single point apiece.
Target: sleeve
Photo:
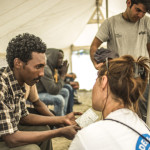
(24, 111)
(7, 120)
(103, 32)
(77, 144)
(148, 30)
(49, 83)
(8, 124)
(11, 109)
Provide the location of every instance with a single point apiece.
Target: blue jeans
(70, 101)
(60, 101)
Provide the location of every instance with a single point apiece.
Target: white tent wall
(88, 33)
(67, 56)
(114, 7)
(57, 22)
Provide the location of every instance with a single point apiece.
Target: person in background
(127, 33)
(51, 85)
(116, 92)
(57, 100)
(20, 130)
(70, 79)
(66, 86)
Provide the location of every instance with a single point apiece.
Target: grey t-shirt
(126, 37)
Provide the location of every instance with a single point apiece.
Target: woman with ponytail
(118, 87)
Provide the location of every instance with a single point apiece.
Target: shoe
(77, 102)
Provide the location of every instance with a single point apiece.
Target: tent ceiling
(57, 22)
(60, 23)
(87, 35)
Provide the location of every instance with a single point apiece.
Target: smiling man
(26, 60)
(127, 33)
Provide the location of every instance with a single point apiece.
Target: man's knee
(68, 86)
(44, 128)
(3, 146)
(59, 100)
(29, 147)
(65, 92)
(33, 128)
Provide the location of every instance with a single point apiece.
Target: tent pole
(106, 8)
(97, 10)
(71, 50)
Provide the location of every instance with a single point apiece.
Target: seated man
(26, 60)
(52, 84)
(66, 85)
(70, 79)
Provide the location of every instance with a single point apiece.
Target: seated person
(19, 129)
(70, 79)
(51, 87)
(118, 87)
(67, 86)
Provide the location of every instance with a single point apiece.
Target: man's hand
(63, 70)
(74, 84)
(70, 118)
(69, 131)
(98, 66)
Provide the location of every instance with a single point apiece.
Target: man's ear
(17, 63)
(128, 3)
(104, 81)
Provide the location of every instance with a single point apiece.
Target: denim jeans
(65, 93)
(60, 101)
(71, 95)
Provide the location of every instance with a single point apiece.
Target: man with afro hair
(26, 60)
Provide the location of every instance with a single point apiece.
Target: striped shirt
(12, 102)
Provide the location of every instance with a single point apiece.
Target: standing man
(26, 60)
(127, 33)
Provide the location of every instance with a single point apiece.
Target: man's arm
(63, 70)
(20, 138)
(75, 85)
(94, 46)
(31, 119)
(42, 108)
(148, 48)
(35, 119)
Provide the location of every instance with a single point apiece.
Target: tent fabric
(57, 22)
